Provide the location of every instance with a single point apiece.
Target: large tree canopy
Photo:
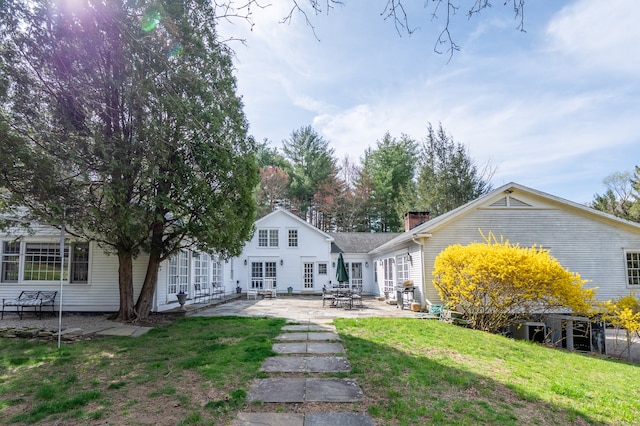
(390, 168)
(126, 117)
(622, 197)
(448, 176)
(312, 167)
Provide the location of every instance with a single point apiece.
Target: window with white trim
(388, 266)
(201, 270)
(322, 269)
(10, 261)
(293, 238)
(178, 273)
(79, 263)
(40, 261)
(267, 238)
(216, 277)
(402, 270)
(633, 268)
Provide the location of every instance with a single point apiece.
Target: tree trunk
(125, 282)
(145, 300)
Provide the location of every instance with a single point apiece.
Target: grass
(194, 371)
(428, 372)
(197, 371)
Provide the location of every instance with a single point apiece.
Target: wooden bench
(31, 299)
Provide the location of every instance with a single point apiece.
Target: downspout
(420, 242)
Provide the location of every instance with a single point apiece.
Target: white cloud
(553, 108)
(603, 34)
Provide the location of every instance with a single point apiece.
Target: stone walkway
(311, 349)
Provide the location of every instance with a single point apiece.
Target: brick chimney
(413, 219)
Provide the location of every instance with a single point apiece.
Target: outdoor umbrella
(341, 272)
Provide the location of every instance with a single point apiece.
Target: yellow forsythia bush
(624, 312)
(495, 283)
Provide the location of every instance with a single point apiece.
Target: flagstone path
(309, 349)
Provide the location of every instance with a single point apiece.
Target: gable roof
(498, 198)
(359, 242)
(292, 216)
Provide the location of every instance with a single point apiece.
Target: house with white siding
(603, 249)
(30, 260)
(290, 254)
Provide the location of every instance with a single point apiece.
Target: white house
(30, 260)
(602, 248)
(290, 253)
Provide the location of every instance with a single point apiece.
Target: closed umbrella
(341, 271)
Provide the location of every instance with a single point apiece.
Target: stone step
(308, 348)
(300, 419)
(305, 390)
(309, 327)
(305, 364)
(302, 337)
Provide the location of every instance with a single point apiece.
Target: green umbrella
(341, 272)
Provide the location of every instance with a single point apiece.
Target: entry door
(307, 278)
(355, 276)
(260, 271)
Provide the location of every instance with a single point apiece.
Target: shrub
(495, 283)
(624, 313)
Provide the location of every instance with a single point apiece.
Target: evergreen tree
(448, 176)
(130, 123)
(390, 168)
(312, 167)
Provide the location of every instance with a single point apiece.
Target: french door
(307, 275)
(261, 271)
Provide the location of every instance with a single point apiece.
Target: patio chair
(326, 295)
(356, 297)
(270, 286)
(252, 292)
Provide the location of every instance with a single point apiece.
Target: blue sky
(555, 108)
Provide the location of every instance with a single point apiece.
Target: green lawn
(429, 372)
(197, 371)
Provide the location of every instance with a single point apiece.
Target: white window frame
(268, 238)
(216, 275)
(632, 268)
(323, 268)
(201, 269)
(389, 283)
(10, 261)
(47, 262)
(178, 275)
(292, 238)
(402, 270)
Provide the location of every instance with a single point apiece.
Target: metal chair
(326, 295)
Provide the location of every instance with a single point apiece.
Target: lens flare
(175, 50)
(150, 20)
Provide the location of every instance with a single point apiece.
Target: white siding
(591, 247)
(313, 246)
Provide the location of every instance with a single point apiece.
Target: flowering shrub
(624, 313)
(495, 283)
